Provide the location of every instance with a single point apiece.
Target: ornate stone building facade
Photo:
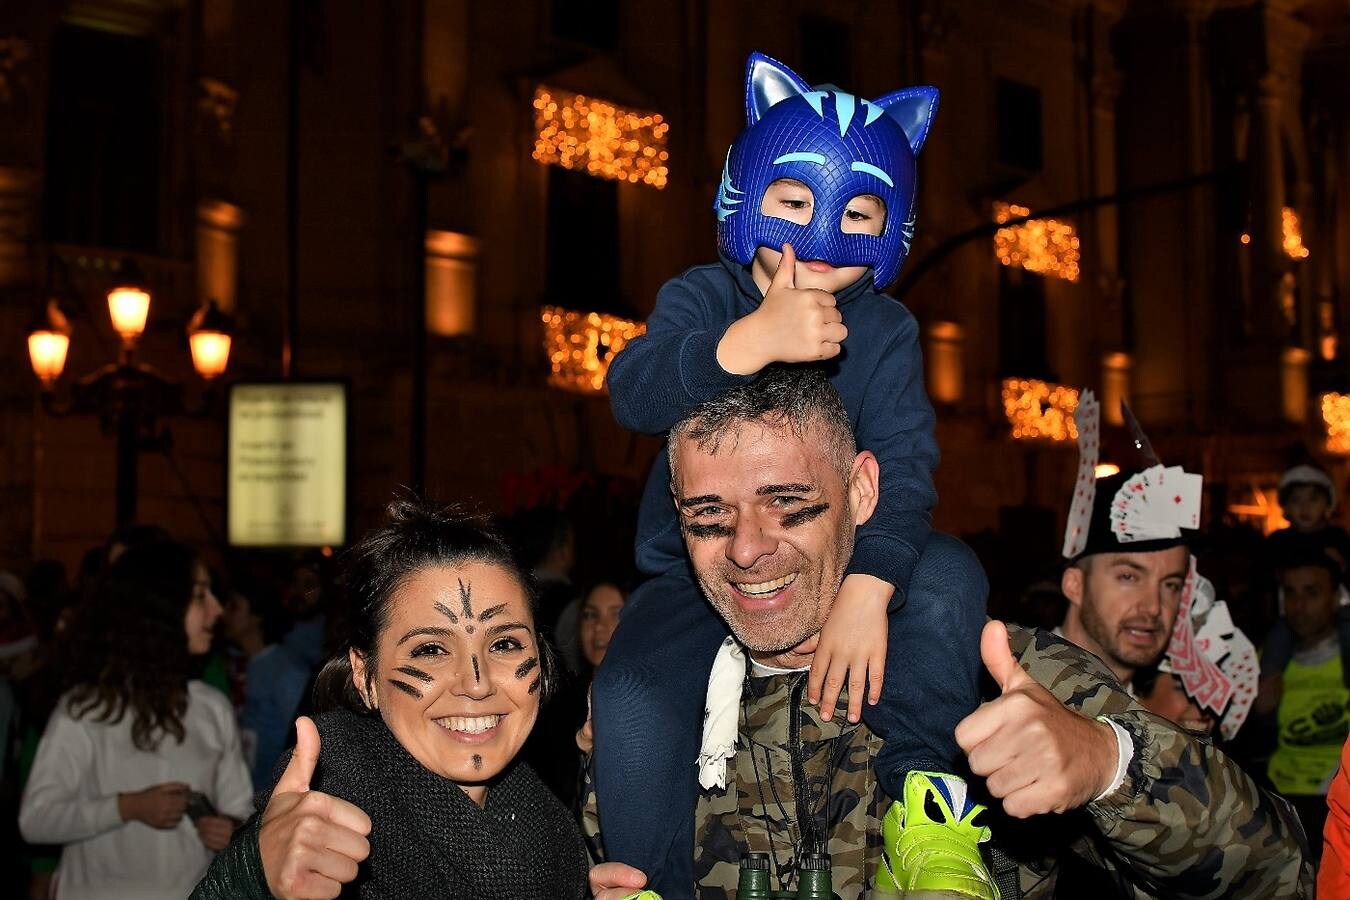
(361, 177)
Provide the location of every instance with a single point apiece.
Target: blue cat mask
(837, 145)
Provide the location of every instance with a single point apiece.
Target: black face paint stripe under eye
(406, 688)
(447, 612)
(694, 529)
(802, 516)
(534, 685)
(527, 666)
(414, 672)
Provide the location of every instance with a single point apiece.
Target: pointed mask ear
(912, 108)
(767, 82)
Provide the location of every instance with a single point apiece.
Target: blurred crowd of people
(148, 640)
(172, 686)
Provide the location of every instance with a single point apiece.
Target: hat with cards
(1214, 661)
(1140, 510)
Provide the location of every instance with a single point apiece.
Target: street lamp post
(128, 396)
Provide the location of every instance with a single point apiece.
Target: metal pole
(127, 461)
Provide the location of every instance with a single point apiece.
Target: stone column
(218, 225)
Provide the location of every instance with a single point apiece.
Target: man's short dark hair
(781, 397)
(1308, 555)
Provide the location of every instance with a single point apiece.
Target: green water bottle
(813, 878)
(754, 880)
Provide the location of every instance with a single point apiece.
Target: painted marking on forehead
(464, 598)
(527, 667)
(844, 105)
(468, 629)
(477, 676)
(869, 169)
(414, 672)
(801, 156)
(814, 98)
(447, 612)
(406, 688)
(491, 611)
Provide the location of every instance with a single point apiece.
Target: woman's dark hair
(132, 650)
(417, 535)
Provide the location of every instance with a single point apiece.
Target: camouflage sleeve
(1187, 821)
(590, 816)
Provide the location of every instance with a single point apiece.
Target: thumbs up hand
(311, 843)
(791, 325)
(1035, 754)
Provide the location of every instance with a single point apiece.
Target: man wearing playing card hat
(1126, 546)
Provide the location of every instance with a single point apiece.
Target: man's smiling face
(768, 520)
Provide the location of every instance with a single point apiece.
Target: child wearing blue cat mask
(815, 213)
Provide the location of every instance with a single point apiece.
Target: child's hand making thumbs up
(791, 325)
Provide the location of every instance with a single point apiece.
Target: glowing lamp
(209, 340)
(47, 351)
(1106, 470)
(129, 303)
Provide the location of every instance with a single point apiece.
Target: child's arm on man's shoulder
(662, 374)
(897, 424)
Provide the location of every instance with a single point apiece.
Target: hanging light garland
(1044, 246)
(1039, 410)
(596, 137)
(581, 345)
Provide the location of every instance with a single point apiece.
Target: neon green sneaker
(644, 895)
(931, 842)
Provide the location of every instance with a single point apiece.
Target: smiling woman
(418, 790)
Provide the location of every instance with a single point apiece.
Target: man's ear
(361, 681)
(1071, 584)
(864, 483)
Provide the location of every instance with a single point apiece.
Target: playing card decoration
(1087, 416)
(1156, 504)
(1215, 661)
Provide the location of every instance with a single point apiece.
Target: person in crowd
(1307, 499)
(308, 600)
(1333, 876)
(274, 681)
(1308, 700)
(1157, 810)
(408, 782)
(139, 772)
(556, 747)
(1207, 679)
(598, 619)
(814, 216)
(546, 542)
(52, 604)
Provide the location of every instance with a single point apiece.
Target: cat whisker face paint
(458, 671)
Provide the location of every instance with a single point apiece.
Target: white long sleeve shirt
(81, 767)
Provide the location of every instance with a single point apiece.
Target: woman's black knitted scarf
(428, 839)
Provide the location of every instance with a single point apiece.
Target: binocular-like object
(813, 879)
